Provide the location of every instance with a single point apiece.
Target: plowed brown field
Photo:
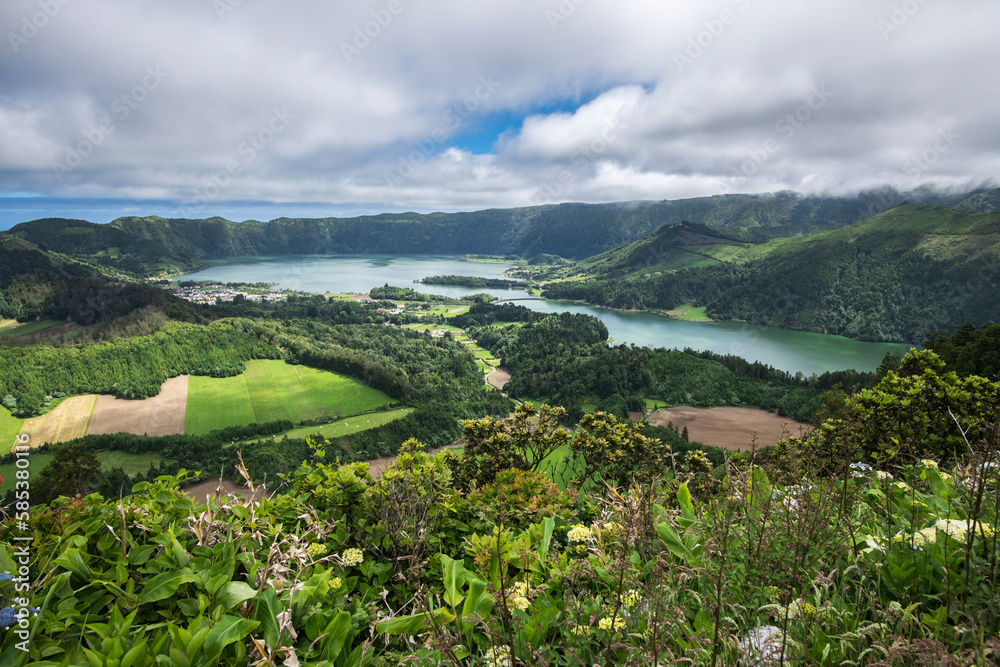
(162, 414)
(732, 428)
(498, 378)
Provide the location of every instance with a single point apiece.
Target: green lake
(793, 351)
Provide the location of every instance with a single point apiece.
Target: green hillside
(153, 244)
(891, 278)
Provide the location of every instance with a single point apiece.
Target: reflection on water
(793, 351)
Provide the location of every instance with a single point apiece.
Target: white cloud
(675, 100)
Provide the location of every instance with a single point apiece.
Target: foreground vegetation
(884, 555)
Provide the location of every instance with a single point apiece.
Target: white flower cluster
(863, 470)
(578, 533)
(518, 595)
(498, 656)
(352, 557)
(957, 529)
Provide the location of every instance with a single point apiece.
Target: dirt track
(202, 491)
(731, 428)
(162, 414)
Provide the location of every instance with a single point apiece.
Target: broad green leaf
(234, 593)
(166, 584)
(6, 564)
(139, 648)
(414, 623)
(227, 630)
(178, 659)
(666, 533)
(477, 591)
(354, 659)
(451, 570)
(139, 555)
(268, 608)
(684, 498)
(548, 525)
(197, 640)
(337, 632)
(72, 560)
(94, 658)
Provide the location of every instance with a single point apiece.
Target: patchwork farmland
(269, 390)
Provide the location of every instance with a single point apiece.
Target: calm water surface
(793, 351)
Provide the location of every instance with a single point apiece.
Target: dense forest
(474, 281)
(970, 350)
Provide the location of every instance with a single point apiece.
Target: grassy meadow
(132, 464)
(689, 312)
(270, 390)
(8, 330)
(346, 426)
(10, 426)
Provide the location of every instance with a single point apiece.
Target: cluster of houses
(214, 293)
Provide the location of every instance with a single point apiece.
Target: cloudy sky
(257, 109)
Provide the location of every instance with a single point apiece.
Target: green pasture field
(444, 310)
(464, 309)
(216, 403)
(270, 390)
(484, 358)
(342, 297)
(28, 328)
(10, 426)
(132, 464)
(557, 464)
(345, 426)
(690, 313)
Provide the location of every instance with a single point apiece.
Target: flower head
(353, 557)
(498, 656)
(928, 463)
(614, 626)
(630, 597)
(578, 533)
(316, 550)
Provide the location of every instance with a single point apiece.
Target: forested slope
(142, 245)
(891, 278)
